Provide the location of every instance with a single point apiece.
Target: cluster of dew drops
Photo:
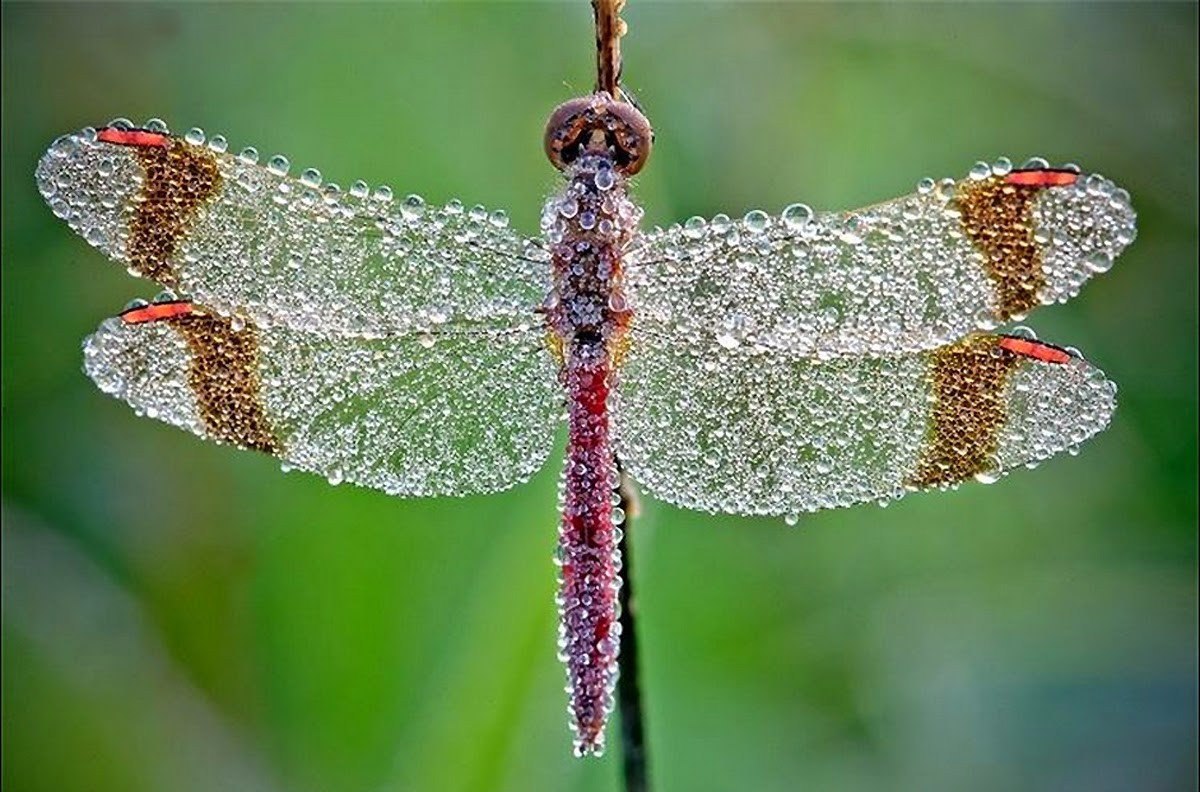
(840, 283)
(100, 167)
(572, 642)
(796, 217)
(437, 237)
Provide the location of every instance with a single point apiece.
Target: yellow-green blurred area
(184, 616)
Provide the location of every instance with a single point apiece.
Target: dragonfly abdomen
(589, 632)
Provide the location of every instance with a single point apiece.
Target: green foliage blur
(183, 616)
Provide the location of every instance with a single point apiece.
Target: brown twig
(609, 29)
(629, 693)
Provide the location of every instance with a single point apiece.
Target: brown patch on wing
(970, 406)
(997, 216)
(180, 178)
(223, 376)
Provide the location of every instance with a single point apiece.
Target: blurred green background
(181, 616)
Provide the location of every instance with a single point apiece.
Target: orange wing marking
(1047, 353)
(131, 137)
(1042, 178)
(157, 311)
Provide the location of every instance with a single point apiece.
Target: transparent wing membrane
(768, 434)
(773, 364)
(909, 274)
(247, 239)
(444, 414)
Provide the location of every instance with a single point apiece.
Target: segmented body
(587, 226)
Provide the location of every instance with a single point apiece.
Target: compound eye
(634, 136)
(564, 130)
(623, 133)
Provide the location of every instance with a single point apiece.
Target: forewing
(244, 238)
(445, 414)
(909, 274)
(765, 434)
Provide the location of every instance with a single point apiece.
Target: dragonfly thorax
(587, 227)
(599, 125)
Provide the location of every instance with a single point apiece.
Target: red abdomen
(589, 631)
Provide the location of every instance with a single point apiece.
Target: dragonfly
(773, 364)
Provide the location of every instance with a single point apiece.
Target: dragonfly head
(599, 124)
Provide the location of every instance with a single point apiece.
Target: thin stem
(609, 29)
(629, 693)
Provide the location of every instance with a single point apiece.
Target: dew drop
(756, 221)
(1021, 331)
(310, 177)
(278, 165)
(796, 216)
(195, 136)
(412, 207)
(1098, 262)
(218, 144)
(1098, 185)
